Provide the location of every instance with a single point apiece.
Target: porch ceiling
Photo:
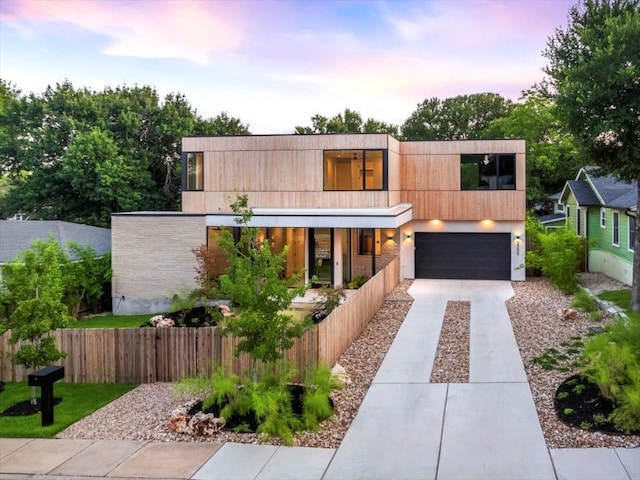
(392, 217)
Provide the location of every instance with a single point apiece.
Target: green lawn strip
(78, 401)
(113, 321)
(622, 298)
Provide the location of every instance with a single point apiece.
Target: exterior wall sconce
(407, 236)
(517, 244)
(389, 237)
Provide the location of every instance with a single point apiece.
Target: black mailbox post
(44, 379)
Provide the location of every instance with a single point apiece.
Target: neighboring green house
(604, 211)
(556, 219)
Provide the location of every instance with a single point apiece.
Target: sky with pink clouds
(276, 63)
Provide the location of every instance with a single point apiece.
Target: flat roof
(374, 217)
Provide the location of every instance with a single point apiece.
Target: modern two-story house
(603, 210)
(345, 204)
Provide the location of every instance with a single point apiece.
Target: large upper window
(355, 170)
(488, 172)
(193, 171)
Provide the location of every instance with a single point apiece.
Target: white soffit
(392, 217)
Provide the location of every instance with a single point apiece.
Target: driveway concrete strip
(41, 455)
(9, 445)
(166, 460)
(630, 458)
(396, 434)
(99, 458)
(491, 431)
(493, 351)
(588, 464)
(297, 463)
(413, 351)
(236, 461)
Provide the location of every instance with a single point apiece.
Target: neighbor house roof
(551, 218)
(604, 191)
(16, 236)
(582, 191)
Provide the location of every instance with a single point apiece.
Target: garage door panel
(476, 256)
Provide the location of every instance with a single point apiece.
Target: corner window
(488, 172)
(632, 233)
(603, 218)
(193, 171)
(355, 170)
(560, 207)
(616, 229)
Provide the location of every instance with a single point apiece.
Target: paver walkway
(406, 428)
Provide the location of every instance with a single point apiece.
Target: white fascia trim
(392, 217)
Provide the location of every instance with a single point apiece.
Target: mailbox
(44, 379)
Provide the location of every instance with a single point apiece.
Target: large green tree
(78, 155)
(349, 122)
(552, 156)
(456, 118)
(594, 67)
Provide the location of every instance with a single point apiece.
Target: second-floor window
(488, 172)
(616, 229)
(632, 233)
(355, 170)
(193, 171)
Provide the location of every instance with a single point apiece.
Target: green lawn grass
(78, 401)
(621, 298)
(113, 321)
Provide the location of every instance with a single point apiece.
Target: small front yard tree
(34, 285)
(255, 281)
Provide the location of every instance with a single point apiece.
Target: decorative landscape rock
(567, 314)
(199, 424)
(341, 375)
(204, 424)
(160, 321)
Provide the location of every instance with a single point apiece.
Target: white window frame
(603, 218)
(615, 229)
(630, 231)
(578, 221)
(559, 207)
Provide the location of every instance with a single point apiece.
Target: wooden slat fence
(147, 355)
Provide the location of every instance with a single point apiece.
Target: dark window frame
(185, 172)
(363, 153)
(486, 159)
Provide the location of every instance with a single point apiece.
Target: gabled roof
(585, 195)
(16, 236)
(605, 191)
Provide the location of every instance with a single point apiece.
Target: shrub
(358, 281)
(611, 360)
(268, 402)
(330, 299)
(558, 255)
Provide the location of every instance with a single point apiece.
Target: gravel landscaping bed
(142, 414)
(538, 327)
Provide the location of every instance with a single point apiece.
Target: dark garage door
(476, 256)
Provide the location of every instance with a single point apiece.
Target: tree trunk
(635, 287)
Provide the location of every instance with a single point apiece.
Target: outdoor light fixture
(407, 236)
(389, 236)
(517, 244)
